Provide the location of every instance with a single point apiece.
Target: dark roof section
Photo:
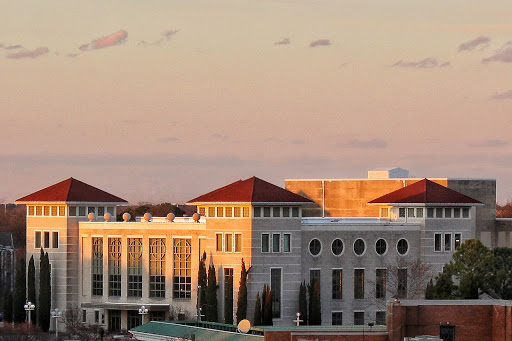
(425, 192)
(6, 240)
(253, 190)
(71, 190)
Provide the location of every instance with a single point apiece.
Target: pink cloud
(320, 42)
(426, 63)
(504, 54)
(116, 38)
(472, 44)
(29, 53)
(285, 41)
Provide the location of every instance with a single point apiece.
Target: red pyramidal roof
(71, 190)
(253, 190)
(425, 192)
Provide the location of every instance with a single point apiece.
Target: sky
(167, 100)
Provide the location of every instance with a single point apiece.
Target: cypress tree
(8, 304)
(429, 291)
(19, 299)
(228, 302)
(31, 286)
(303, 303)
(257, 311)
(211, 296)
(44, 304)
(241, 309)
(268, 307)
(202, 282)
(263, 300)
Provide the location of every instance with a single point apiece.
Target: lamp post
(298, 320)
(28, 308)
(56, 314)
(143, 311)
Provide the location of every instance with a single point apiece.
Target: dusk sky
(167, 100)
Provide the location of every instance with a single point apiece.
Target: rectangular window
(46, 210)
(358, 318)
(101, 211)
(220, 211)
(134, 267)
(286, 212)
(402, 283)
(295, 212)
(419, 212)
(314, 275)
(448, 212)
(229, 211)
(157, 267)
(218, 242)
(430, 212)
(337, 284)
(457, 240)
(358, 284)
(275, 286)
(456, 212)
(238, 242)
(401, 212)
(55, 240)
(37, 239)
(97, 266)
(53, 210)
(114, 266)
(276, 211)
(265, 240)
(237, 211)
(447, 241)
(266, 212)
(410, 212)
(439, 212)
(157, 315)
(84, 315)
(257, 212)
(62, 211)
(437, 242)
(211, 211)
(380, 318)
(72, 211)
(228, 295)
(39, 210)
(287, 242)
(182, 285)
(465, 212)
(202, 211)
(91, 210)
(46, 240)
(380, 283)
(81, 211)
(246, 212)
(228, 246)
(110, 210)
(96, 316)
(337, 318)
(31, 210)
(384, 212)
(276, 242)
(134, 318)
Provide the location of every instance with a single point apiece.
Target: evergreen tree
(444, 289)
(429, 291)
(257, 311)
(44, 304)
(268, 307)
(202, 282)
(211, 296)
(31, 286)
(8, 304)
(228, 302)
(241, 310)
(315, 311)
(19, 299)
(263, 300)
(303, 303)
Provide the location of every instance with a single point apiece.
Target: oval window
(337, 247)
(402, 246)
(359, 247)
(315, 247)
(381, 247)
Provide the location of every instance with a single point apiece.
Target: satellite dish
(244, 326)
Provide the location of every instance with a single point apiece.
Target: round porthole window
(402, 246)
(381, 247)
(315, 247)
(359, 247)
(337, 247)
